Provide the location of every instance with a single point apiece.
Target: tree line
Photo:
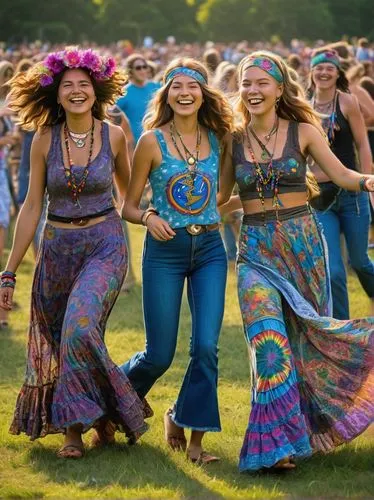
(106, 21)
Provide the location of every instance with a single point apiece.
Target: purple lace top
(97, 194)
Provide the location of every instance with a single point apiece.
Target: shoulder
(148, 139)
(154, 85)
(42, 139)
(348, 101)
(117, 137)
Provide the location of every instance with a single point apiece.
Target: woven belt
(196, 229)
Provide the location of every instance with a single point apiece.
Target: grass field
(150, 469)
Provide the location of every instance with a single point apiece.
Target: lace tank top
(291, 164)
(97, 194)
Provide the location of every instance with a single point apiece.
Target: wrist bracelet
(362, 183)
(147, 213)
(8, 274)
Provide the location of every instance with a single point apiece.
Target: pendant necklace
(77, 187)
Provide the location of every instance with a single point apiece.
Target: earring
(277, 102)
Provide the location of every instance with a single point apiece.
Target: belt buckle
(194, 229)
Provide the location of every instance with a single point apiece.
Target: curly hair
(215, 112)
(37, 106)
(292, 105)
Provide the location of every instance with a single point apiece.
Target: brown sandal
(203, 458)
(283, 465)
(104, 434)
(64, 451)
(176, 442)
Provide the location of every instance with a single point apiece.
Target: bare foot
(174, 435)
(284, 464)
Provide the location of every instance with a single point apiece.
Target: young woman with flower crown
(71, 383)
(179, 154)
(313, 380)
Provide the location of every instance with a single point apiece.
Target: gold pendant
(191, 161)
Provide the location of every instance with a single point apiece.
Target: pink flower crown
(100, 68)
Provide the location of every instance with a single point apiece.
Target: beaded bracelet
(8, 284)
(362, 183)
(8, 274)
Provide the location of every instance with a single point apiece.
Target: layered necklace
(191, 159)
(75, 186)
(329, 116)
(79, 139)
(268, 179)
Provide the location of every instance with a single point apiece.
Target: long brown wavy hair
(215, 112)
(37, 106)
(292, 106)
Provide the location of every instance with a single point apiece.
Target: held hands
(159, 228)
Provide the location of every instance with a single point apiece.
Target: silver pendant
(80, 143)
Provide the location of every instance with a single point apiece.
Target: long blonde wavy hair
(292, 105)
(215, 112)
(37, 106)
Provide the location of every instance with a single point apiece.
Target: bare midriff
(69, 225)
(288, 200)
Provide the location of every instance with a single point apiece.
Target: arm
(125, 125)
(226, 173)
(29, 215)
(366, 104)
(360, 136)
(121, 159)
(313, 143)
(145, 154)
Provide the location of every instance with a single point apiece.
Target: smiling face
(325, 75)
(185, 96)
(258, 90)
(76, 93)
(139, 71)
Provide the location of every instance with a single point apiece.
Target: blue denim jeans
(349, 214)
(201, 260)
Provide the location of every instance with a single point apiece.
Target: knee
(206, 351)
(337, 273)
(158, 365)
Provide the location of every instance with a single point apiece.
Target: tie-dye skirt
(70, 378)
(313, 380)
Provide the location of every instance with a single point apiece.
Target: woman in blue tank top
(71, 383)
(342, 210)
(180, 156)
(312, 378)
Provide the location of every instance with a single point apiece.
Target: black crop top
(292, 165)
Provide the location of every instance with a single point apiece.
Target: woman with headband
(180, 155)
(339, 209)
(71, 383)
(313, 380)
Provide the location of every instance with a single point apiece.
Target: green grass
(150, 469)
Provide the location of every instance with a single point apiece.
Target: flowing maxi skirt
(70, 378)
(313, 378)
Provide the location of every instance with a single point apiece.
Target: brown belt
(196, 229)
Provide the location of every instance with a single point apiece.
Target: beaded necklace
(329, 120)
(77, 187)
(269, 180)
(190, 159)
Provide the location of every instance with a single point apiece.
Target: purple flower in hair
(46, 80)
(54, 63)
(72, 58)
(110, 66)
(91, 60)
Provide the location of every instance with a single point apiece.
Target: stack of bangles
(146, 214)
(362, 184)
(7, 279)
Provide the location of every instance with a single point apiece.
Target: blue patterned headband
(329, 56)
(182, 70)
(267, 65)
